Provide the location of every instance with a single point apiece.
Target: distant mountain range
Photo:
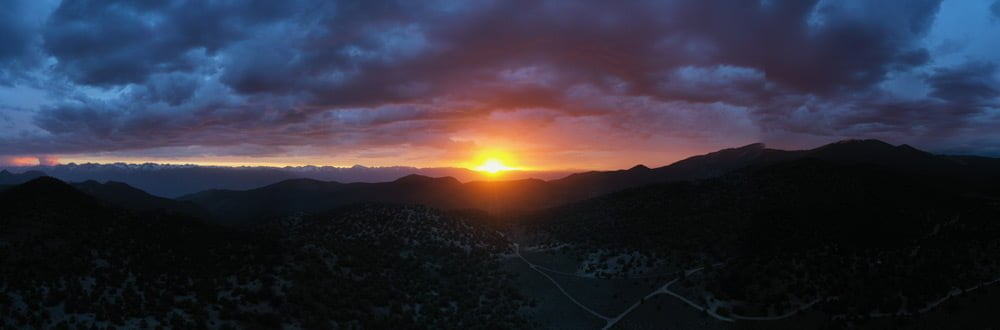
(518, 196)
(111, 193)
(498, 197)
(177, 180)
(848, 230)
(8, 178)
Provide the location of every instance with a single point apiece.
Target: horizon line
(40, 164)
(250, 166)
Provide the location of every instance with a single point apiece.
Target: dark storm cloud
(19, 39)
(391, 53)
(120, 42)
(14, 33)
(277, 74)
(962, 97)
(972, 83)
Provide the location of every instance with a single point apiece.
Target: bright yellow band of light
(493, 166)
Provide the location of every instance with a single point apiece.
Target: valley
(801, 242)
(494, 165)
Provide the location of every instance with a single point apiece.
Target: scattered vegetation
(70, 263)
(863, 241)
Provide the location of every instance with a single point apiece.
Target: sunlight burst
(493, 166)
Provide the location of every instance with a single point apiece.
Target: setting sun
(493, 166)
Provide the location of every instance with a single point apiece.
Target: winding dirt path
(517, 251)
(665, 289)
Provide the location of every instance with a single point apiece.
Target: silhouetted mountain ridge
(519, 196)
(177, 180)
(423, 179)
(8, 178)
(307, 195)
(43, 196)
(121, 195)
(801, 230)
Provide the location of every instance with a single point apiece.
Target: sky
(538, 84)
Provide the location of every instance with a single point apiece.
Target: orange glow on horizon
(493, 166)
(25, 161)
(516, 160)
(493, 163)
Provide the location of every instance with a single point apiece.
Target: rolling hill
(854, 229)
(854, 237)
(124, 196)
(72, 261)
(522, 196)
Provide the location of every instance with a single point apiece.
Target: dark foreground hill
(68, 260)
(523, 196)
(123, 196)
(305, 195)
(859, 240)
